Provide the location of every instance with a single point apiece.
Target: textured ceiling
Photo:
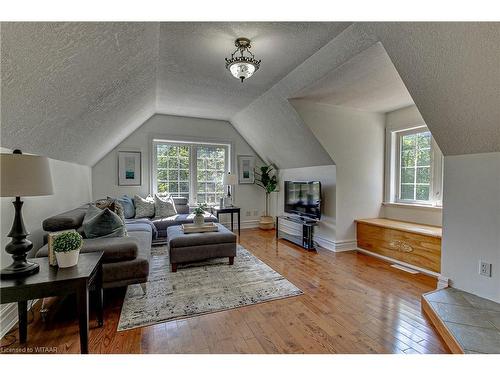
(73, 91)
(452, 71)
(367, 82)
(192, 78)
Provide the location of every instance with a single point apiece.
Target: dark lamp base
(19, 270)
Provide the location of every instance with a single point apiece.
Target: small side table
(229, 210)
(53, 281)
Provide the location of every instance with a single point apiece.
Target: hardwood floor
(352, 303)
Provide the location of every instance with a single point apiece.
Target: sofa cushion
(164, 206)
(181, 205)
(128, 206)
(115, 249)
(102, 223)
(163, 223)
(137, 225)
(144, 207)
(72, 219)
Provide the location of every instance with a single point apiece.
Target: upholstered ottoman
(184, 248)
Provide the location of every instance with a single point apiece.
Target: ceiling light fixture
(242, 67)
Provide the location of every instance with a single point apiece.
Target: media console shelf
(296, 230)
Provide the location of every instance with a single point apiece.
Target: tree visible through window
(194, 171)
(415, 162)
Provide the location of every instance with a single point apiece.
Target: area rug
(201, 288)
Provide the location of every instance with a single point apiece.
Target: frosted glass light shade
(242, 70)
(24, 175)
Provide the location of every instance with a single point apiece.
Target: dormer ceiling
(73, 91)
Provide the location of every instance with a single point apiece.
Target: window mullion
(193, 166)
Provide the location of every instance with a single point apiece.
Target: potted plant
(199, 213)
(267, 180)
(67, 248)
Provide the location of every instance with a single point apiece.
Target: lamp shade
(230, 179)
(24, 175)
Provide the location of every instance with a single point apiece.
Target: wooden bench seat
(415, 244)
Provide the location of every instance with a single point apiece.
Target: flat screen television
(303, 198)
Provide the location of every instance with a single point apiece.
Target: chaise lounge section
(126, 259)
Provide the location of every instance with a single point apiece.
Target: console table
(53, 281)
(229, 210)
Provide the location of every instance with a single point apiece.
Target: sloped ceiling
(367, 82)
(193, 80)
(86, 86)
(451, 71)
(73, 91)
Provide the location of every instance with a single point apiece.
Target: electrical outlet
(484, 269)
(248, 213)
(256, 213)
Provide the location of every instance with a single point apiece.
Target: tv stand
(299, 230)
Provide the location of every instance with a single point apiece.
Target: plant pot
(199, 220)
(266, 222)
(68, 258)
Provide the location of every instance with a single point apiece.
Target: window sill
(413, 205)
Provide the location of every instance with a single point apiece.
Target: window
(191, 170)
(416, 168)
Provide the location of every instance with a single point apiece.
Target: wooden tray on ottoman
(193, 228)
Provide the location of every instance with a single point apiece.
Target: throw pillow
(144, 207)
(128, 206)
(164, 206)
(102, 223)
(114, 206)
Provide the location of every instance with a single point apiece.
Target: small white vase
(198, 220)
(68, 258)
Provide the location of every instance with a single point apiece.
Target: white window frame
(392, 175)
(193, 164)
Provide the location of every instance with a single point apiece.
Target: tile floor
(473, 321)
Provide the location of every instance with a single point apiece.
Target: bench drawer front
(415, 249)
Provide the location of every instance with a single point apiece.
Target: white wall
(324, 233)
(471, 222)
(72, 187)
(405, 118)
(250, 198)
(355, 141)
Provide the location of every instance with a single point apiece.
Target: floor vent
(403, 268)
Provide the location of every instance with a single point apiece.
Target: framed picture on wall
(129, 168)
(246, 166)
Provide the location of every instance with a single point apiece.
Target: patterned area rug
(201, 288)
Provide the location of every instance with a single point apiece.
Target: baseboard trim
(392, 260)
(336, 246)
(8, 318)
(245, 224)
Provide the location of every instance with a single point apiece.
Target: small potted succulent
(199, 212)
(67, 248)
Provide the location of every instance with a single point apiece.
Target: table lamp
(22, 175)
(229, 180)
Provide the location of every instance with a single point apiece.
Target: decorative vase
(67, 259)
(266, 222)
(198, 220)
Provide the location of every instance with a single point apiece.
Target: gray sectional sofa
(126, 259)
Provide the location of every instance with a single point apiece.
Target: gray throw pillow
(128, 206)
(164, 206)
(144, 207)
(102, 223)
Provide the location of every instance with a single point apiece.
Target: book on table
(206, 227)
